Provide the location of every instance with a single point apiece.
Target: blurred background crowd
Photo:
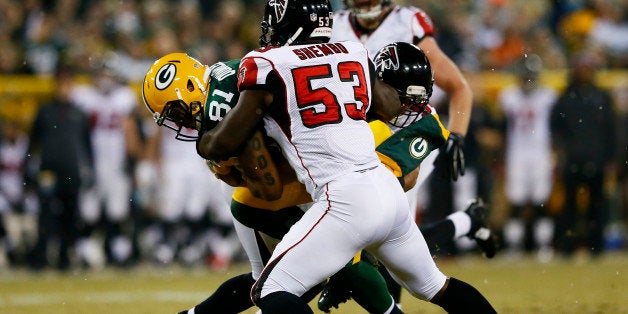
(70, 72)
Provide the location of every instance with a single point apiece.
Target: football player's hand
(450, 161)
(227, 171)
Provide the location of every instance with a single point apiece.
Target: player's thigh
(311, 251)
(348, 216)
(172, 193)
(89, 204)
(407, 257)
(542, 176)
(518, 185)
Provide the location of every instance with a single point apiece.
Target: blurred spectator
(574, 28)
(59, 162)
(18, 206)
(527, 107)
(584, 135)
(610, 31)
(43, 46)
(108, 104)
(11, 61)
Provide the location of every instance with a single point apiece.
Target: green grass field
(520, 285)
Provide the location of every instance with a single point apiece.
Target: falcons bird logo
(280, 8)
(387, 59)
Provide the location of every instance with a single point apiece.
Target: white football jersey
(12, 158)
(107, 113)
(528, 119)
(404, 23)
(322, 93)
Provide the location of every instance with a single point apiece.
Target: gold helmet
(175, 89)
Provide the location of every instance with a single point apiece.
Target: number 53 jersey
(321, 94)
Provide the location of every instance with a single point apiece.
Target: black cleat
(480, 232)
(333, 294)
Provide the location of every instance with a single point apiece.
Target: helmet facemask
(368, 15)
(184, 119)
(414, 99)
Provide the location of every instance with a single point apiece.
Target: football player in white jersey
(527, 108)
(376, 23)
(108, 105)
(312, 98)
(18, 205)
(183, 209)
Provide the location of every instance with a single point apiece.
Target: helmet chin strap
(294, 37)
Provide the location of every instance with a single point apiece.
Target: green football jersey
(223, 92)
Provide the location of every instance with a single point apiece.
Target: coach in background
(584, 135)
(59, 162)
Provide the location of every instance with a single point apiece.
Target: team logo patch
(280, 7)
(387, 58)
(313, 17)
(418, 148)
(165, 76)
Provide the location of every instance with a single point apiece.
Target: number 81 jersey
(223, 92)
(321, 94)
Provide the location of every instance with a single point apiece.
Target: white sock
(462, 223)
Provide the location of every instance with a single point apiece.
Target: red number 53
(307, 97)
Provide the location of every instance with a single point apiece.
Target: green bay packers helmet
(175, 89)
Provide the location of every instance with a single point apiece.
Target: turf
(513, 285)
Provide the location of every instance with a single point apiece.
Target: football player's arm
(450, 163)
(448, 77)
(227, 139)
(258, 169)
(236, 136)
(385, 100)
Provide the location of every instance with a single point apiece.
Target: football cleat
(480, 232)
(333, 294)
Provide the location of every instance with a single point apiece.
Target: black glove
(450, 160)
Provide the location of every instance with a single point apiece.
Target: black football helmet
(406, 68)
(292, 22)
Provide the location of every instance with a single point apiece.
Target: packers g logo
(418, 148)
(165, 76)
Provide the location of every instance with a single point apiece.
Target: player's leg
(349, 213)
(362, 281)
(422, 278)
(117, 211)
(234, 295)
(416, 145)
(172, 198)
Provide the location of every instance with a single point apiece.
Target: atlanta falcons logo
(280, 8)
(387, 59)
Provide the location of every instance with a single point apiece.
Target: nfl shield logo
(313, 17)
